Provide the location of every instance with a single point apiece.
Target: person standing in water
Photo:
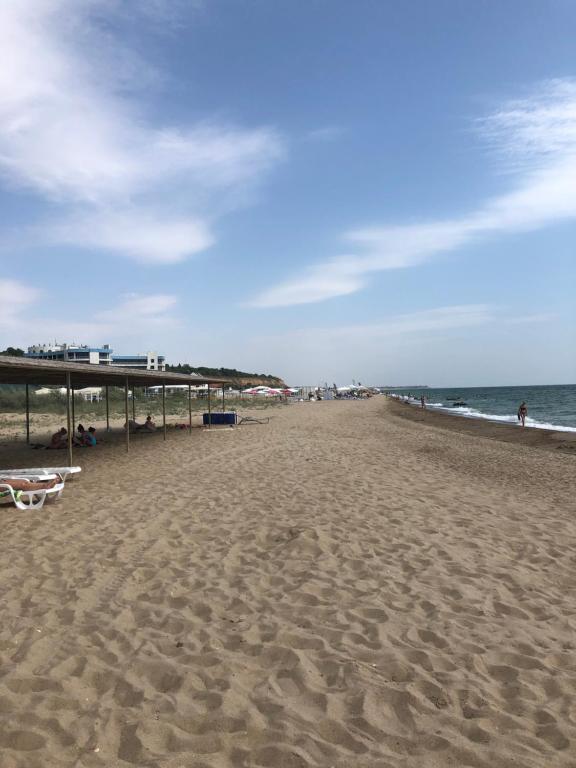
(522, 413)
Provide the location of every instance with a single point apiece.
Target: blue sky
(322, 189)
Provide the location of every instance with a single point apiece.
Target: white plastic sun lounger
(64, 472)
(30, 499)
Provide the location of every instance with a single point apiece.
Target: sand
(341, 587)
(547, 439)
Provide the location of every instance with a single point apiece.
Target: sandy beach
(349, 586)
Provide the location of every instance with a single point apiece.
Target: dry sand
(341, 587)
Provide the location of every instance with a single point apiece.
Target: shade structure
(22, 370)
(262, 390)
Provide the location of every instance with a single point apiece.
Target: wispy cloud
(153, 309)
(424, 321)
(16, 297)
(73, 131)
(410, 323)
(438, 344)
(139, 232)
(535, 138)
(22, 319)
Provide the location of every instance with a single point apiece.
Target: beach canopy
(23, 370)
(263, 390)
(352, 387)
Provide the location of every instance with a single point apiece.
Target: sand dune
(341, 587)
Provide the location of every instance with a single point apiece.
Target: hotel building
(81, 353)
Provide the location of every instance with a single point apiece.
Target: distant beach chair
(33, 499)
(41, 472)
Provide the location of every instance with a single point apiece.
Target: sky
(325, 190)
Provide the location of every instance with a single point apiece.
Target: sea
(549, 407)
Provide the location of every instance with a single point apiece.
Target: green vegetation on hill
(228, 373)
(12, 352)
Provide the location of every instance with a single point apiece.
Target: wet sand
(341, 587)
(548, 439)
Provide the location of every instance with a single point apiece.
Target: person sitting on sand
(522, 413)
(58, 440)
(21, 484)
(148, 424)
(90, 437)
(78, 438)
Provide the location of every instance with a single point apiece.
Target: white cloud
(134, 308)
(132, 317)
(15, 297)
(384, 248)
(535, 129)
(145, 236)
(72, 131)
(334, 278)
(536, 137)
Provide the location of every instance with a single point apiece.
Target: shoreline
(533, 437)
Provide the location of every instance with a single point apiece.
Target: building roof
(23, 370)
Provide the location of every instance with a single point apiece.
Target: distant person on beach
(422, 401)
(58, 440)
(522, 413)
(148, 424)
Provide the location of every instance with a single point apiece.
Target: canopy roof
(23, 370)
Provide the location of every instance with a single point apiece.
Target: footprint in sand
(21, 741)
(553, 736)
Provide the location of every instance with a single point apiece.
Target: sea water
(549, 407)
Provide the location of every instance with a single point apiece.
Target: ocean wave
(472, 413)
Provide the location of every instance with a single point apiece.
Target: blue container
(229, 417)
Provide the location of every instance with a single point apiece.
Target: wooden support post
(164, 408)
(223, 400)
(107, 411)
(68, 419)
(127, 416)
(190, 409)
(134, 403)
(73, 412)
(27, 413)
(209, 409)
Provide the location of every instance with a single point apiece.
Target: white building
(82, 353)
(148, 362)
(71, 353)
